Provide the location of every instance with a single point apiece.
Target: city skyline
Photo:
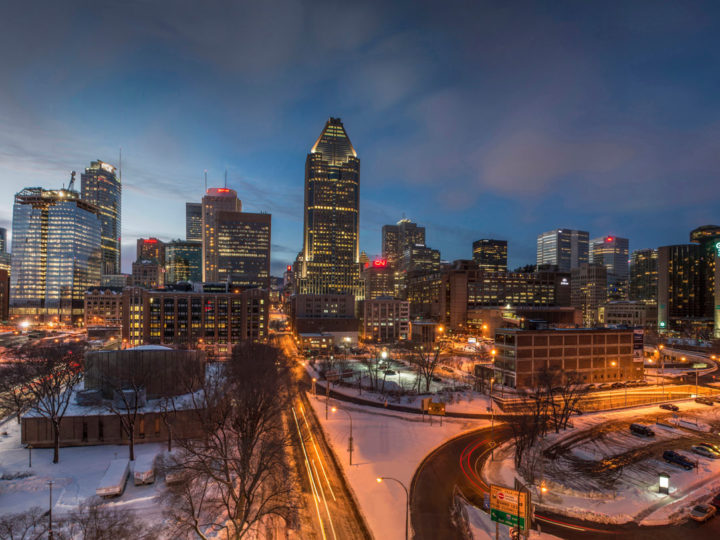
(609, 138)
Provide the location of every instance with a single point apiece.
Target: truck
(114, 479)
(144, 469)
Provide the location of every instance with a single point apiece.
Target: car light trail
(310, 476)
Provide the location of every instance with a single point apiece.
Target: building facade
(183, 261)
(151, 249)
(56, 254)
(243, 249)
(595, 355)
(613, 252)
(101, 186)
(682, 282)
(565, 248)
(490, 255)
(216, 200)
(379, 278)
(148, 274)
(628, 313)
(386, 320)
(330, 256)
(708, 237)
(588, 290)
(644, 275)
(193, 222)
(399, 237)
(103, 307)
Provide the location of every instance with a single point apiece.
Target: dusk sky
(475, 119)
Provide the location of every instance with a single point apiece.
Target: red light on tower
(609, 239)
(151, 241)
(380, 263)
(289, 267)
(223, 190)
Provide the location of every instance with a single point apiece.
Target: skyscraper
(490, 254)
(4, 255)
(56, 255)
(708, 236)
(612, 252)
(329, 259)
(644, 275)
(151, 249)
(193, 222)
(399, 237)
(565, 248)
(183, 261)
(588, 290)
(101, 187)
(681, 289)
(214, 201)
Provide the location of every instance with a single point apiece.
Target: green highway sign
(507, 519)
(508, 506)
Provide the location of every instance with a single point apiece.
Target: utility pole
(50, 530)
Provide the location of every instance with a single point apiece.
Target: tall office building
(399, 237)
(214, 201)
(681, 289)
(565, 248)
(644, 275)
(243, 245)
(57, 254)
(183, 261)
(193, 222)
(4, 255)
(490, 255)
(588, 290)
(708, 236)
(101, 186)
(329, 259)
(151, 249)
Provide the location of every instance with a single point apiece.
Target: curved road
(456, 466)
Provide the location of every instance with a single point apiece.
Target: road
(331, 512)
(457, 465)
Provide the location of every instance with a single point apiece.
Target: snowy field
(386, 444)
(75, 477)
(600, 471)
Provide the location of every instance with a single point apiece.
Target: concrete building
(151, 249)
(148, 274)
(588, 291)
(425, 332)
(386, 320)
(103, 307)
(215, 201)
(628, 313)
(596, 355)
(490, 255)
(379, 278)
(324, 314)
(398, 238)
(565, 248)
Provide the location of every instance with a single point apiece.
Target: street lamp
(407, 499)
(350, 441)
(50, 530)
(662, 367)
(664, 483)
(492, 421)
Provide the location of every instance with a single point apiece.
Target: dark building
(588, 291)
(148, 274)
(708, 236)
(151, 249)
(490, 255)
(243, 249)
(324, 314)
(330, 256)
(396, 239)
(56, 254)
(682, 282)
(193, 222)
(612, 253)
(101, 186)
(183, 261)
(644, 275)
(379, 279)
(4, 295)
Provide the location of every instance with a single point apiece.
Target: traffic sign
(508, 506)
(436, 409)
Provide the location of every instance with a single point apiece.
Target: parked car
(716, 501)
(618, 385)
(670, 407)
(390, 372)
(711, 446)
(605, 386)
(678, 459)
(704, 401)
(705, 452)
(591, 387)
(702, 512)
(639, 429)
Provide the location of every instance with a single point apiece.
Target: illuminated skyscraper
(214, 201)
(399, 237)
(193, 222)
(183, 261)
(101, 187)
(330, 256)
(56, 254)
(565, 248)
(644, 275)
(151, 249)
(490, 254)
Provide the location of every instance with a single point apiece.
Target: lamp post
(29, 447)
(50, 530)
(407, 499)
(350, 441)
(662, 367)
(492, 421)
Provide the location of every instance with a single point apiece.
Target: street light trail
(310, 476)
(332, 527)
(317, 452)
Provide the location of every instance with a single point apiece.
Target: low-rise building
(148, 274)
(422, 332)
(316, 342)
(596, 355)
(632, 314)
(386, 320)
(325, 313)
(103, 307)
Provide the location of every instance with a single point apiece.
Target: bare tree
(127, 397)
(373, 368)
(52, 373)
(14, 395)
(236, 473)
(94, 521)
(28, 525)
(168, 413)
(426, 360)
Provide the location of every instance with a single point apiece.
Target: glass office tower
(56, 254)
(101, 187)
(193, 222)
(565, 248)
(183, 261)
(329, 260)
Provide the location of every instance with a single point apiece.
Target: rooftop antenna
(226, 178)
(205, 180)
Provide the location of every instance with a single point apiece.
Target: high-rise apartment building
(56, 255)
(588, 290)
(708, 236)
(490, 255)
(193, 222)
(215, 201)
(565, 248)
(644, 275)
(183, 261)
(612, 252)
(101, 186)
(329, 259)
(399, 237)
(151, 249)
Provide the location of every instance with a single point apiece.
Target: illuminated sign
(223, 190)
(717, 248)
(108, 168)
(151, 241)
(380, 263)
(609, 239)
(564, 281)
(289, 267)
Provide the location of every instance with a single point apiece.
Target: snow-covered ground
(387, 443)
(483, 528)
(75, 477)
(599, 471)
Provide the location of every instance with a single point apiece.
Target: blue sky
(475, 119)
